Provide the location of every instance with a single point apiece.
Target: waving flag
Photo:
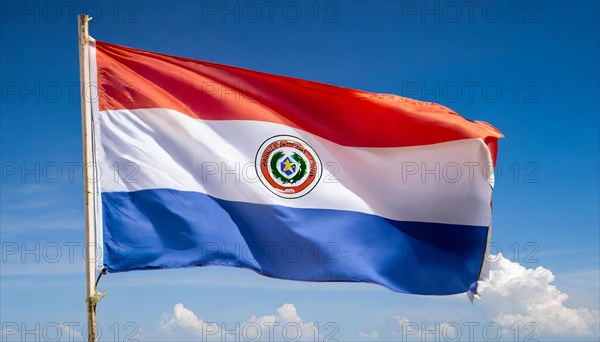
(207, 164)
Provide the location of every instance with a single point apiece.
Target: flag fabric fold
(207, 164)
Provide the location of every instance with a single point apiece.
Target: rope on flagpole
(103, 272)
(97, 296)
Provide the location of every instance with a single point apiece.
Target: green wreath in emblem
(279, 175)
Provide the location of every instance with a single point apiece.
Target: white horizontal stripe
(161, 148)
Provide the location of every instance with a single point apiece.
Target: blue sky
(529, 68)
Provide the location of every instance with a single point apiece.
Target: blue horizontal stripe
(153, 229)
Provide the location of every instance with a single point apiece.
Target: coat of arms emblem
(288, 166)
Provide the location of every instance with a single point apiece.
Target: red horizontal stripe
(129, 79)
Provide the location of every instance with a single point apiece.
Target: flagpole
(88, 174)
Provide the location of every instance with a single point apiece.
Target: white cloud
(286, 324)
(515, 300)
(515, 294)
(371, 335)
(184, 318)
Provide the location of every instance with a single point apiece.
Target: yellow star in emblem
(288, 166)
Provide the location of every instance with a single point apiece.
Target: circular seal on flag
(288, 166)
